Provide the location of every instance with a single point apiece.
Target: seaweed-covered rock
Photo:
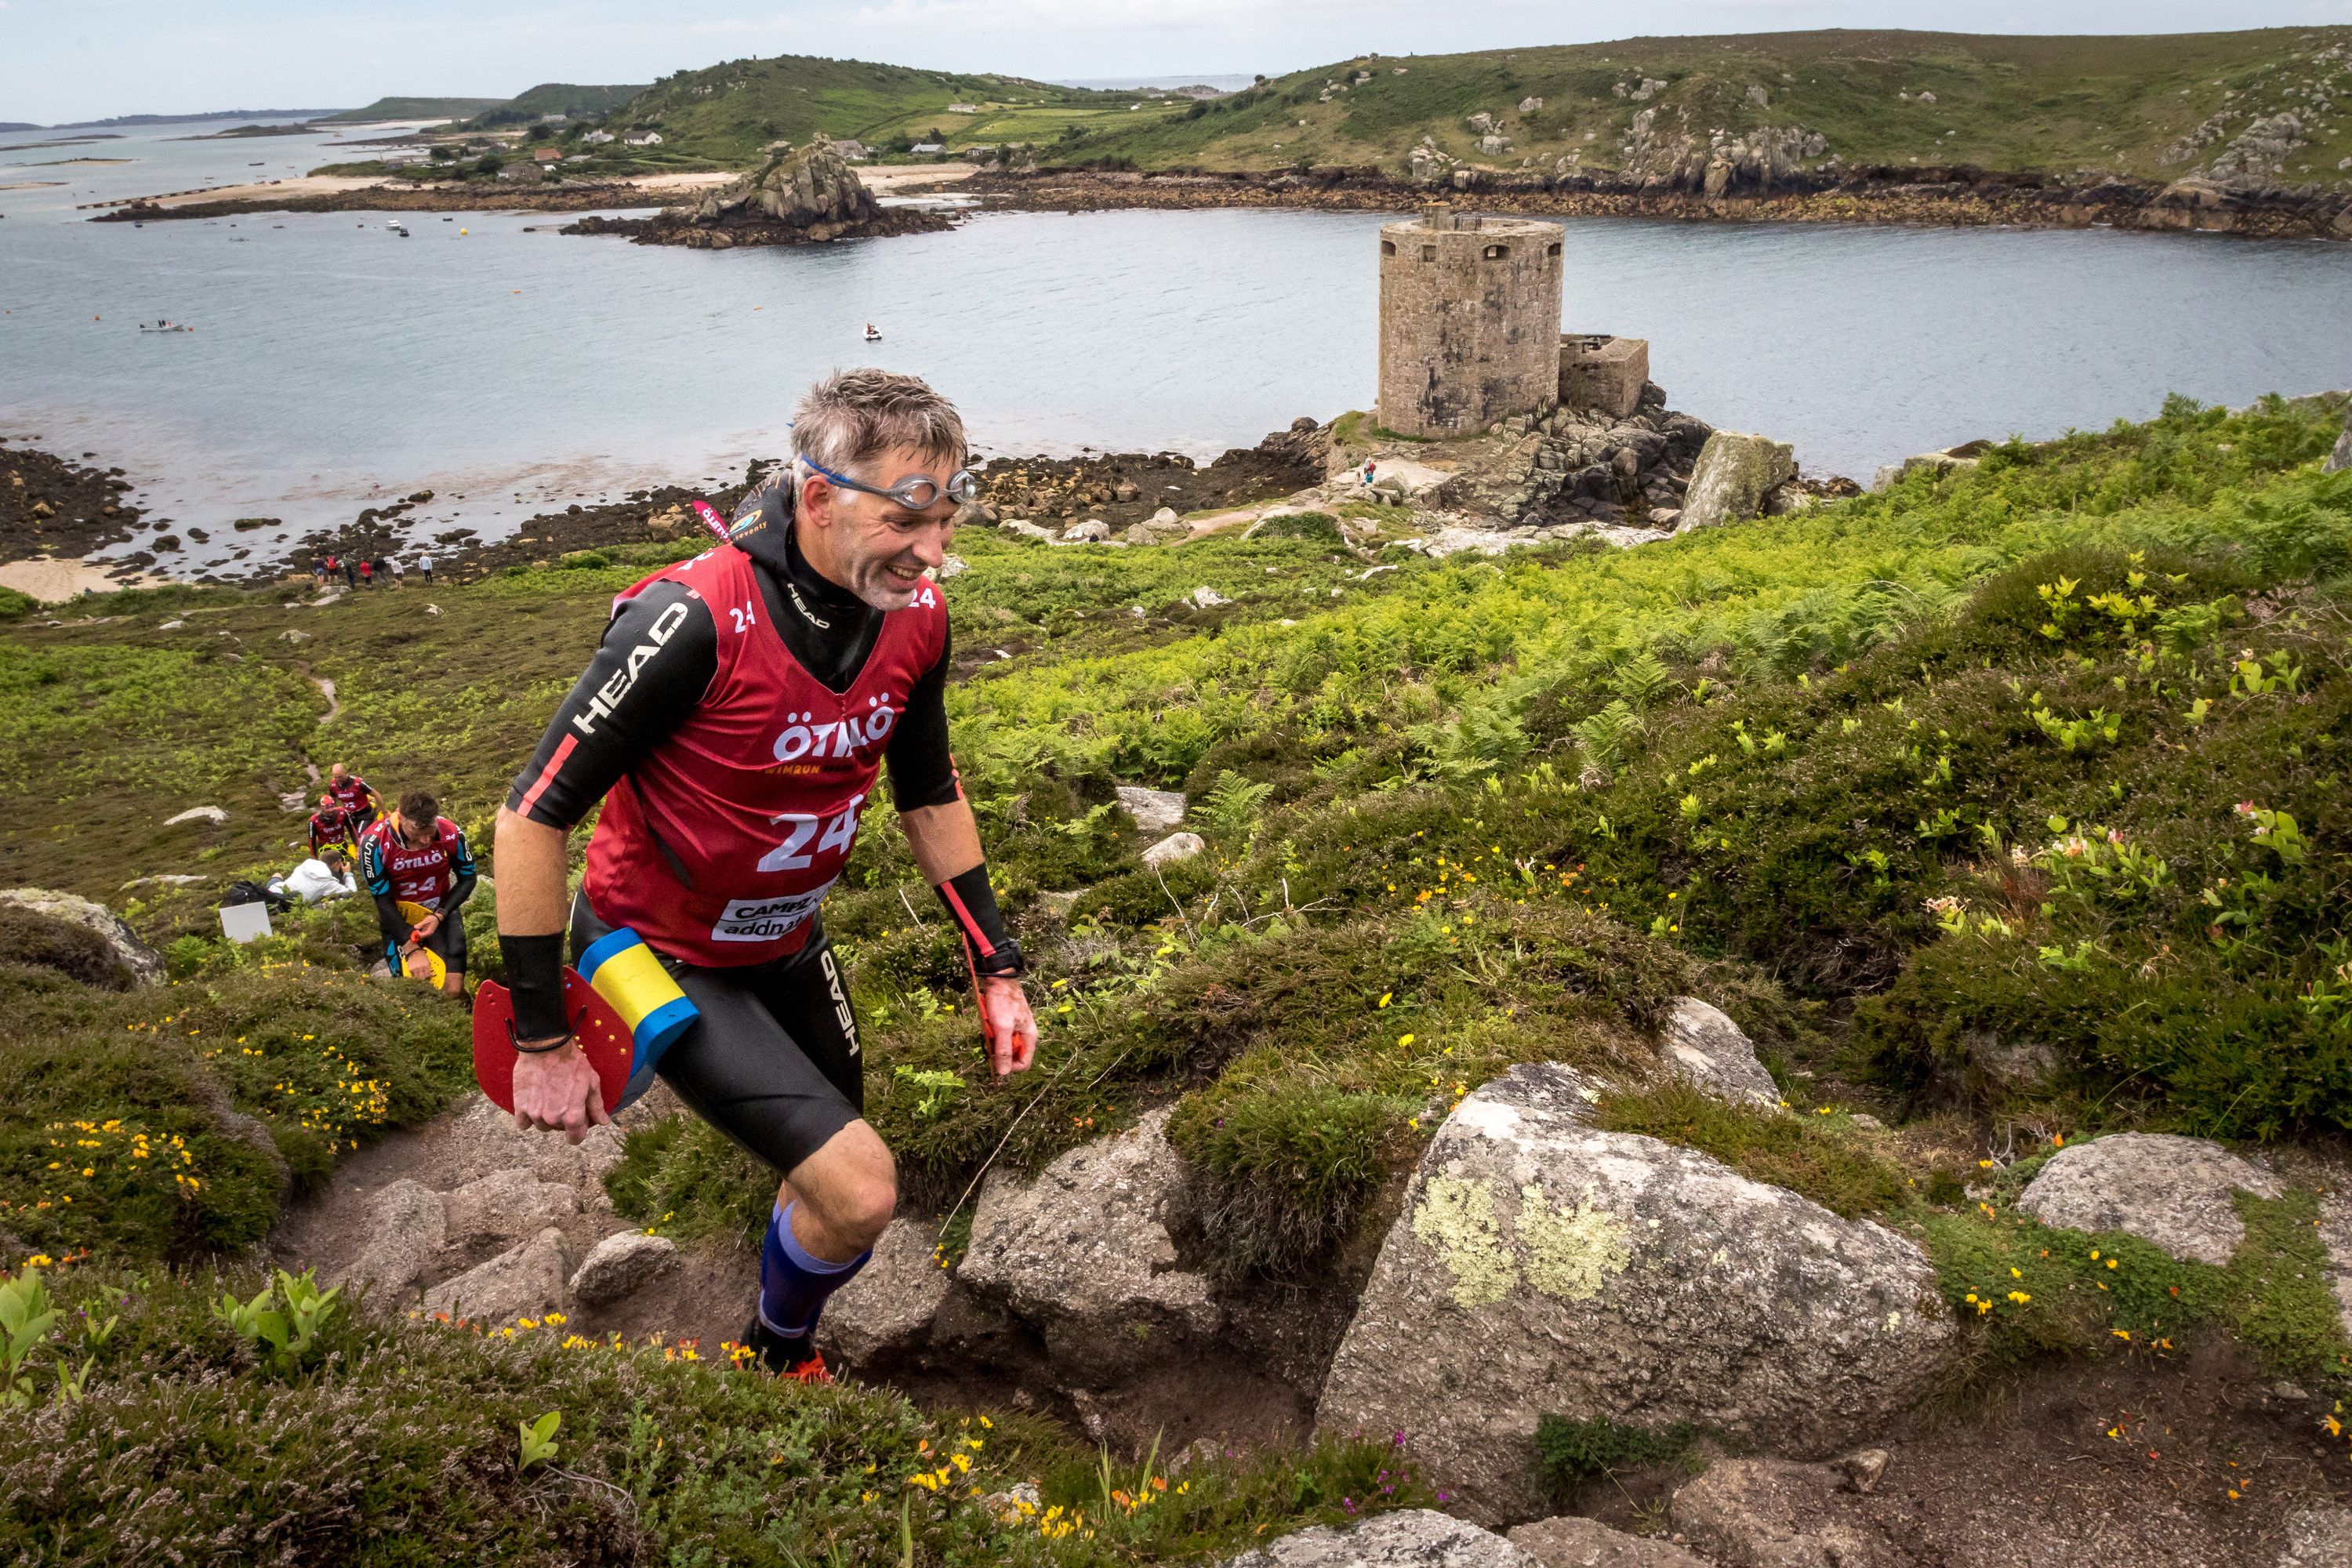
(2172, 1191)
(1541, 1266)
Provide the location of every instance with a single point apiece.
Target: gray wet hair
(852, 415)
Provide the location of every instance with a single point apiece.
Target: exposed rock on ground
(144, 963)
(1571, 1542)
(1543, 1267)
(2172, 1191)
(1717, 1055)
(1733, 474)
(886, 1310)
(621, 1265)
(524, 1281)
(1408, 1538)
(61, 508)
(1154, 810)
(1085, 1254)
(1766, 1514)
(1175, 847)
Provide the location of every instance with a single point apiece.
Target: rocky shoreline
(567, 197)
(1953, 196)
(674, 228)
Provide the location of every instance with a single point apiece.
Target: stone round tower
(1469, 320)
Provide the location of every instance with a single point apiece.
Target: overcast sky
(85, 59)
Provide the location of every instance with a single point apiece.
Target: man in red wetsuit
(328, 826)
(360, 804)
(733, 724)
(416, 856)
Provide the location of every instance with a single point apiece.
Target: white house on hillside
(643, 139)
(963, 108)
(598, 136)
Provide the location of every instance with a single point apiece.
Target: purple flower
(1445, 1497)
(1348, 1504)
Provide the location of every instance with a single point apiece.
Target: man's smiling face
(870, 544)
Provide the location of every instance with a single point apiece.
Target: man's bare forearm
(533, 875)
(945, 840)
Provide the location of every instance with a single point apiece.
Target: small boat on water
(165, 326)
(872, 334)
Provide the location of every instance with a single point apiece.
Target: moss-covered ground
(2053, 752)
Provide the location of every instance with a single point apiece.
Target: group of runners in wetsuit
(411, 858)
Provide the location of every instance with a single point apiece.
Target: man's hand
(558, 1091)
(1006, 1023)
(415, 964)
(424, 927)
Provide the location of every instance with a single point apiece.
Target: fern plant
(1604, 735)
(1233, 804)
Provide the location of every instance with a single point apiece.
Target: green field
(2045, 104)
(729, 111)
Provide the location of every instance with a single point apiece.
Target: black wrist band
(534, 966)
(536, 1050)
(974, 907)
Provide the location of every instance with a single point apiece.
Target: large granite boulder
(1733, 475)
(145, 964)
(620, 1266)
(2172, 1191)
(1543, 1267)
(2341, 459)
(506, 1205)
(407, 1227)
(803, 188)
(1084, 1254)
(1408, 1538)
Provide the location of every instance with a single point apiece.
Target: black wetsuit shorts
(772, 1062)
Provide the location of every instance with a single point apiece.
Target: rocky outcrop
(1572, 1542)
(145, 964)
(407, 1228)
(1408, 1538)
(1733, 474)
(2341, 459)
(805, 188)
(2172, 1191)
(1543, 1267)
(1175, 847)
(1717, 1055)
(1583, 463)
(1085, 1254)
(2317, 1537)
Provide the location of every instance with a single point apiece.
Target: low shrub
(44, 941)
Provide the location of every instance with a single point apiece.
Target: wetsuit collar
(772, 541)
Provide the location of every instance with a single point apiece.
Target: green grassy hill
(2055, 104)
(414, 108)
(572, 98)
(729, 111)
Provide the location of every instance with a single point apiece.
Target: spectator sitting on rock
(327, 876)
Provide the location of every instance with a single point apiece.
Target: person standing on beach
(424, 568)
(733, 723)
(350, 577)
(367, 572)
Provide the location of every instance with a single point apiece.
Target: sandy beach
(52, 582)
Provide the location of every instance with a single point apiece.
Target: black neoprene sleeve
(973, 905)
(535, 976)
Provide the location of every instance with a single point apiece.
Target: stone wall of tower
(1469, 321)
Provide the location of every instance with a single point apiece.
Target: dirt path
(334, 705)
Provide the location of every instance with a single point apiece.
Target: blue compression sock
(794, 1283)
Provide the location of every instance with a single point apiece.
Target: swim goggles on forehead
(916, 492)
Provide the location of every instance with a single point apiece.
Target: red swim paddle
(611, 1048)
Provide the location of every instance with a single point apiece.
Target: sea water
(336, 364)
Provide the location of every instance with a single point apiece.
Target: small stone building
(1470, 309)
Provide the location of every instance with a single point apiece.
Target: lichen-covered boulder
(803, 188)
(1084, 1254)
(1543, 1267)
(2172, 1191)
(1408, 1538)
(1733, 475)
